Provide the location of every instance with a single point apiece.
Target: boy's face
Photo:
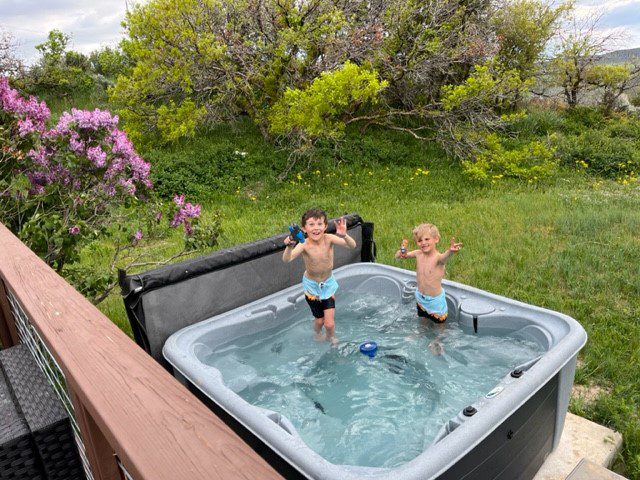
(427, 242)
(314, 228)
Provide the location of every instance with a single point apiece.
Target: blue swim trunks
(319, 296)
(319, 290)
(434, 308)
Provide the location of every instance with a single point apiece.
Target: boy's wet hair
(423, 228)
(313, 213)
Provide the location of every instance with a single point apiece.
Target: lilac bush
(64, 186)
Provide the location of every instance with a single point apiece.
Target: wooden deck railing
(128, 408)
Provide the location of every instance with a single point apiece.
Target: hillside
(621, 56)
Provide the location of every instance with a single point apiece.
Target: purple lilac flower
(187, 211)
(86, 120)
(138, 236)
(36, 190)
(128, 186)
(75, 230)
(140, 169)
(97, 156)
(116, 166)
(178, 200)
(177, 219)
(38, 181)
(191, 211)
(93, 134)
(75, 144)
(114, 150)
(121, 144)
(26, 126)
(39, 156)
(37, 113)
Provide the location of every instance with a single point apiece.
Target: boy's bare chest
(319, 253)
(429, 267)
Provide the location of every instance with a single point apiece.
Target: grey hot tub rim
(564, 337)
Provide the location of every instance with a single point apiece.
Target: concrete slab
(587, 470)
(580, 439)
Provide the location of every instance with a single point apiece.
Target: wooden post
(8, 333)
(100, 455)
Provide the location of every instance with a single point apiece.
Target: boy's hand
(288, 241)
(341, 227)
(404, 248)
(453, 246)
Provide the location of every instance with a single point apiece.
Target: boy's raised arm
(292, 250)
(411, 254)
(342, 237)
(453, 248)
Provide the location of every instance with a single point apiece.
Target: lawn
(571, 245)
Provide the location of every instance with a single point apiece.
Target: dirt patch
(588, 393)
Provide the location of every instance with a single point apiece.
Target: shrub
(533, 161)
(206, 167)
(612, 157)
(627, 128)
(538, 123)
(579, 118)
(319, 111)
(64, 187)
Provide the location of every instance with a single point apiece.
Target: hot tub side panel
(517, 448)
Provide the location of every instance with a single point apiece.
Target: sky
(93, 24)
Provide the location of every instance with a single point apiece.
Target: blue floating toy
(296, 233)
(369, 348)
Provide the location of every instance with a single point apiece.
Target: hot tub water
(355, 410)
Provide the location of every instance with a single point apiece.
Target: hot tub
(504, 431)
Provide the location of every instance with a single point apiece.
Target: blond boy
(430, 267)
(317, 252)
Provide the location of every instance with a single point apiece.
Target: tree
(319, 111)
(10, 64)
(110, 62)
(59, 71)
(576, 53)
(523, 29)
(54, 48)
(613, 80)
(199, 62)
(215, 60)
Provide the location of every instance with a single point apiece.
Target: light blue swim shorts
(319, 290)
(434, 305)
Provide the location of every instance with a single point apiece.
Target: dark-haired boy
(317, 252)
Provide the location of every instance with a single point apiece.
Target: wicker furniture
(17, 453)
(38, 435)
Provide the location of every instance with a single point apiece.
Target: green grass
(571, 245)
(87, 100)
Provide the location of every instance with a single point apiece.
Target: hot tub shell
(514, 427)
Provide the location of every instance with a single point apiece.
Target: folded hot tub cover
(161, 301)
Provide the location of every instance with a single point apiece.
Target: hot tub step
(581, 439)
(587, 470)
